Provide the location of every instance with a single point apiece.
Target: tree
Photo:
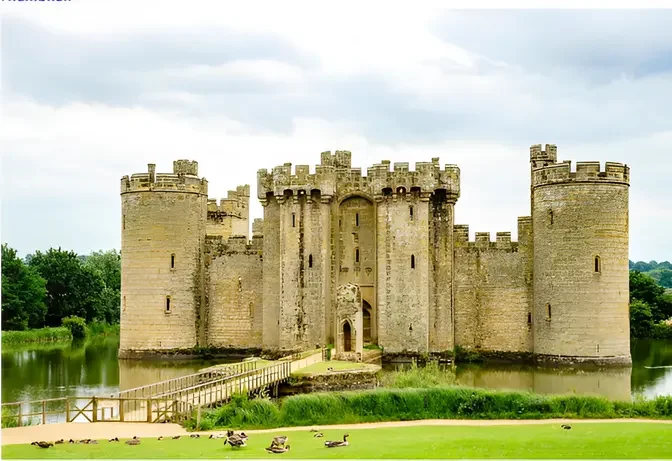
(23, 294)
(72, 288)
(107, 264)
(665, 279)
(641, 319)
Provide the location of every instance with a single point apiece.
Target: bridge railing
(175, 384)
(221, 390)
(93, 409)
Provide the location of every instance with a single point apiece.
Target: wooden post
(95, 409)
(198, 418)
(20, 416)
(44, 412)
(67, 409)
(149, 410)
(121, 410)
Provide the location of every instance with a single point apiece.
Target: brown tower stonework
(350, 259)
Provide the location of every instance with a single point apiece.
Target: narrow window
(529, 318)
(310, 260)
(548, 311)
(357, 219)
(412, 261)
(597, 264)
(123, 222)
(293, 219)
(167, 304)
(550, 216)
(410, 209)
(172, 261)
(340, 223)
(356, 255)
(124, 302)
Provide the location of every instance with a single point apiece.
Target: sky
(94, 90)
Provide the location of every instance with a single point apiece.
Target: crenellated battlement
(235, 201)
(482, 239)
(590, 172)
(183, 179)
(258, 227)
(336, 177)
(216, 245)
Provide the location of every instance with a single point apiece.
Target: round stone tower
(162, 243)
(581, 274)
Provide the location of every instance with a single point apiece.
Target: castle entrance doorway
(347, 337)
(366, 320)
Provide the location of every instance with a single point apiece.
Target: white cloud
(447, 85)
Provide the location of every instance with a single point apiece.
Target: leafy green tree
(76, 325)
(72, 288)
(23, 294)
(641, 319)
(107, 264)
(665, 279)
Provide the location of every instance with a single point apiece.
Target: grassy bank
(584, 440)
(56, 334)
(415, 404)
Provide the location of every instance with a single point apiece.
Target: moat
(37, 372)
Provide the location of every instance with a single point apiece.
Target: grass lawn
(321, 367)
(584, 440)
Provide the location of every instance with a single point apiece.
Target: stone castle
(346, 259)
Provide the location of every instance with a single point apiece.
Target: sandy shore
(79, 431)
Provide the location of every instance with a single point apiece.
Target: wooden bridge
(171, 400)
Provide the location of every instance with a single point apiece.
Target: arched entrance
(366, 321)
(347, 337)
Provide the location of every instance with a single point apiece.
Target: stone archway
(366, 322)
(347, 337)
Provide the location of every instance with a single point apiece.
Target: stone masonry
(350, 259)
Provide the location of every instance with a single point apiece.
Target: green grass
(431, 375)
(321, 367)
(584, 440)
(55, 334)
(383, 404)
(42, 335)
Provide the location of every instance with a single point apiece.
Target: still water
(37, 372)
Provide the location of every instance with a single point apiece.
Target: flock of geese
(278, 444)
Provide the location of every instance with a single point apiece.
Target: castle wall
(163, 230)
(231, 215)
(581, 310)
(272, 276)
(234, 301)
(492, 300)
(403, 291)
(315, 268)
(441, 269)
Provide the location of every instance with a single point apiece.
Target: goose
(217, 436)
(243, 436)
(313, 430)
(319, 434)
(565, 426)
(94, 442)
(236, 441)
(334, 444)
(115, 439)
(279, 440)
(71, 441)
(175, 437)
(195, 436)
(44, 444)
(276, 449)
(133, 441)
(59, 441)
(160, 437)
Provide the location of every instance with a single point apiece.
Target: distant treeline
(44, 288)
(660, 272)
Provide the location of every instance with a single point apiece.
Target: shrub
(76, 325)
(429, 403)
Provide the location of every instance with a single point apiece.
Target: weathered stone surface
(421, 287)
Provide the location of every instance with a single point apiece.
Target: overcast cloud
(96, 90)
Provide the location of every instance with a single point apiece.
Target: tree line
(660, 272)
(650, 307)
(44, 288)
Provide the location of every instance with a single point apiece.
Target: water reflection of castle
(612, 383)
